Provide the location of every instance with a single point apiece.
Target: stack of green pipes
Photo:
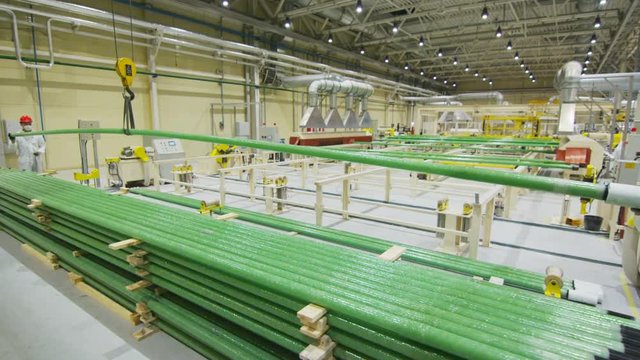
(474, 140)
(447, 146)
(234, 289)
(466, 158)
(457, 264)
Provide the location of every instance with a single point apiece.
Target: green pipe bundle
(567, 187)
(512, 276)
(233, 285)
(475, 140)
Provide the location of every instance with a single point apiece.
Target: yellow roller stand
(222, 149)
(553, 282)
(94, 174)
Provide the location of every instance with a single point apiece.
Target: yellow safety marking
(629, 295)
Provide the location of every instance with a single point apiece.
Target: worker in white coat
(29, 149)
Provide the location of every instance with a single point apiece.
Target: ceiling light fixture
(421, 41)
(406, 66)
(594, 38)
(330, 39)
(466, 68)
(490, 82)
(440, 53)
(287, 23)
(516, 56)
(455, 61)
(394, 29)
(531, 76)
(533, 79)
(422, 72)
(445, 81)
(526, 71)
(587, 60)
(359, 7)
(485, 13)
(435, 77)
(454, 84)
(499, 32)
(361, 51)
(509, 45)
(521, 64)
(597, 23)
(225, 3)
(590, 51)
(484, 78)
(476, 74)
(386, 59)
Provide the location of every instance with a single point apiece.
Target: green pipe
(568, 187)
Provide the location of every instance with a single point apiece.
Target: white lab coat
(26, 149)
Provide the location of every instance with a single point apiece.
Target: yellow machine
(511, 125)
(590, 177)
(223, 149)
(131, 168)
(553, 282)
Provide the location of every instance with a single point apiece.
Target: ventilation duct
(448, 99)
(455, 116)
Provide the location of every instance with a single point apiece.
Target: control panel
(167, 146)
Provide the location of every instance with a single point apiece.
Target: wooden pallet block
(138, 285)
(225, 217)
(124, 244)
(310, 314)
(145, 332)
(50, 259)
(78, 282)
(393, 253)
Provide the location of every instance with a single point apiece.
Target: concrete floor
(42, 316)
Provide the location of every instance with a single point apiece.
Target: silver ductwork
(332, 84)
(448, 99)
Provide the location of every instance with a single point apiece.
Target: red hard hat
(25, 119)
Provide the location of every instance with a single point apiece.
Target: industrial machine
(581, 151)
(165, 149)
(131, 168)
(511, 125)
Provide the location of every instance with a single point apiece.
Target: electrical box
(243, 130)
(269, 133)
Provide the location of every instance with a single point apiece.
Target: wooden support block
(310, 314)
(35, 203)
(226, 217)
(53, 260)
(77, 253)
(316, 330)
(138, 285)
(124, 190)
(74, 278)
(124, 244)
(292, 233)
(137, 258)
(321, 351)
(496, 280)
(478, 278)
(107, 302)
(142, 272)
(33, 252)
(145, 332)
(393, 253)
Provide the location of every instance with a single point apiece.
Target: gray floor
(42, 316)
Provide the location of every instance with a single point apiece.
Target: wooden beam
(124, 244)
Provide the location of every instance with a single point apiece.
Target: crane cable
(126, 70)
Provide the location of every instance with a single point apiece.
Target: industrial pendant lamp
(490, 82)
(509, 45)
(330, 39)
(590, 51)
(359, 7)
(386, 59)
(499, 32)
(406, 66)
(362, 51)
(597, 23)
(587, 60)
(445, 81)
(454, 84)
(516, 56)
(476, 74)
(484, 78)
(421, 41)
(521, 64)
(440, 53)
(422, 72)
(594, 38)
(287, 23)
(394, 28)
(485, 13)
(466, 68)
(225, 3)
(435, 77)
(533, 79)
(455, 61)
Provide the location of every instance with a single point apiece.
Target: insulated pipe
(305, 80)
(173, 31)
(499, 98)
(561, 186)
(334, 86)
(568, 95)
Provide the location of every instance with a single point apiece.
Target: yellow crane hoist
(126, 70)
